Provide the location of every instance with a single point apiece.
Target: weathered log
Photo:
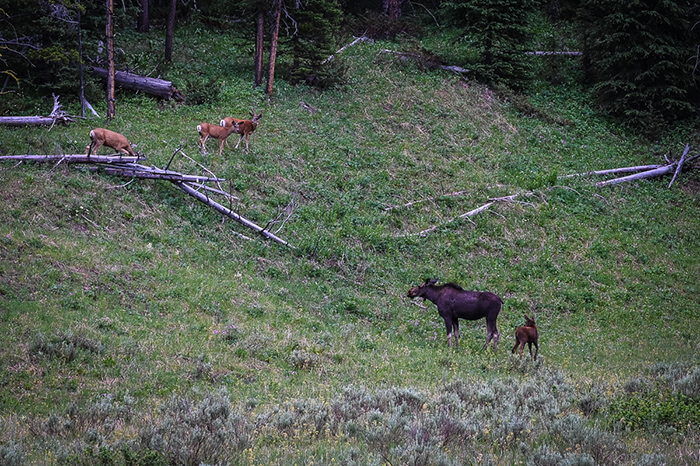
(638, 168)
(34, 120)
(546, 54)
(153, 86)
(56, 116)
(75, 158)
(426, 61)
(647, 174)
(680, 165)
(228, 212)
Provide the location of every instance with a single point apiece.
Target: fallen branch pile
(128, 167)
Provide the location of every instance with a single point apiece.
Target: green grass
(129, 309)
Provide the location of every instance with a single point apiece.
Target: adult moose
(454, 303)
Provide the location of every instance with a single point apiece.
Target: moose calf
(527, 334)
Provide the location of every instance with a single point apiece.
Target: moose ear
(431, 282)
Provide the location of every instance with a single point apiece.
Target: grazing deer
(454, 303)
(527, 334)
(221, 132)
(245, 127)
(104, 137)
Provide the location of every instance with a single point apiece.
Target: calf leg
(515, 346)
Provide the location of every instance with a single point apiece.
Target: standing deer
(103, 137)
(245, 127)
(454, 303)
(221, 132)
(527, 334)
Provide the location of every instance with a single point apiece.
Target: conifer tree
(498, 30)
(317, 21)
(640, 58)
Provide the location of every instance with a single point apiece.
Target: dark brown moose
(527, 334)
(454, 303)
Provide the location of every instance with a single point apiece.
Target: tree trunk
(170, 31)
(158, 87)
(259, 42)
(277, 11)
(81, 90)
(143, 24)
(392, 8)
(110, 61)
(33, 120)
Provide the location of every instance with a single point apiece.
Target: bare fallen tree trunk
(33, 120)
(153, 86)
(431, 63)
(127, 166)
(75, 158)
(56, 116)
(228, 212)
(546, 54)
(663, 170)
(615, 170)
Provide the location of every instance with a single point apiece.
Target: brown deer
(220, 132)
(527, 334)
(245, 127)
(103, 137)
(454, 303)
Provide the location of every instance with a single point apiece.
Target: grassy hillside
(140, 328)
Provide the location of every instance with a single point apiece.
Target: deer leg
(240, 138)
(95, 146)
(203, 143)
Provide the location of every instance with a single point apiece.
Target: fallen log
(153, 86)
(663, 170)
(56, 116)
(228, 212)
(75, 158)
(610, 171)
(426, 61)
(34, 120)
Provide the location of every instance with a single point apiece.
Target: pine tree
(640, 59)
(317, 23)
(498, 30)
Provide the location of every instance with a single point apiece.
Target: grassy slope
(107, 288)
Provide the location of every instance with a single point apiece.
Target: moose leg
(537, 349)
(492, 334)
(455, 327)
(448, 327)
(529, 346)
